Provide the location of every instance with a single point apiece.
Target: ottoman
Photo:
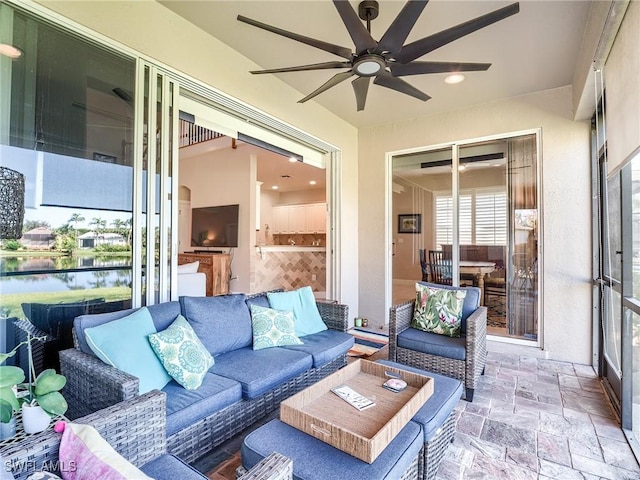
(315, 460)
(437, 417)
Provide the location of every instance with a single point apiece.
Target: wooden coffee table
(364, 434)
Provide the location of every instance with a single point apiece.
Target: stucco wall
(566, 192)
(153, 30)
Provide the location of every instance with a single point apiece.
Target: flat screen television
(214, 226)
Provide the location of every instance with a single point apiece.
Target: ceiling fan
(386, 59)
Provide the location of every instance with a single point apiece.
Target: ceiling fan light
(455, 78)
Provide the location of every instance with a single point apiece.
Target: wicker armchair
(136, 429)
(474, 338)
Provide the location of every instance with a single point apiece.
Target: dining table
(479, 269)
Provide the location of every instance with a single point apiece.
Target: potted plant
(40, 398)
(10, 378)
(43, 399)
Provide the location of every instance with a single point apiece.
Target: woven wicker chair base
(435, 448)
(273, 467)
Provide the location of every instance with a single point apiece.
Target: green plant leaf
(49, 381)
(9, 397)
(6, 411)
(53, 403)
(10, 376)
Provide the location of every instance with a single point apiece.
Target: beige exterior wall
(566, 205)
(154, 31)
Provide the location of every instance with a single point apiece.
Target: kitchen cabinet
(303, 218)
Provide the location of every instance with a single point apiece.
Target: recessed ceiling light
(312, 182)
(462, 168)
(10, 51)
(274, 187)
(293, 159)
(455, 78)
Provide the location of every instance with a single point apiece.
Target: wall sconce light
(11, 203)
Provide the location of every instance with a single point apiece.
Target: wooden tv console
(216, 266)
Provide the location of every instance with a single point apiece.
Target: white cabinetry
(305, 218)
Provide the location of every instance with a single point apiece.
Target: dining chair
(424, 265)
(441, 267)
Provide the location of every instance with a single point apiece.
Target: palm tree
(99, 224)
(75, 218)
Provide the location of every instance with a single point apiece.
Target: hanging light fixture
(11, 203)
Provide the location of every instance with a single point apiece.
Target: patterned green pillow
(272, 328)
(438, 310)
(182, 353)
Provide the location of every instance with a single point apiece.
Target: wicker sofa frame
(468, 371)
(93, 385)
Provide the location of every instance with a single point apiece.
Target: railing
(191, 134)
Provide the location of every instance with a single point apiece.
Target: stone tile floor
(531, 418)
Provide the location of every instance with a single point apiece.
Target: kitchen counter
(290, 248)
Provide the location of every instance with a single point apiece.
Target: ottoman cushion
(446, 394)
(314, 459)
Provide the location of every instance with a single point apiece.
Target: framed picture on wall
(410, 223)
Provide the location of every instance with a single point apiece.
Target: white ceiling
(531, 51)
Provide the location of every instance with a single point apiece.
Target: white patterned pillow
(182, 353)
(272, 328)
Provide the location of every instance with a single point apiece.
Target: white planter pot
(34, 419)
(8, 430)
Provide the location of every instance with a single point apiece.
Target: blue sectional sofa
(242, 386)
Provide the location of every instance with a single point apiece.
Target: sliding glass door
(478, 206)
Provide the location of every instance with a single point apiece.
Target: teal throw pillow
(182, 353)
(124, 344)
(272, 328)
(438, 310)
(302, 303)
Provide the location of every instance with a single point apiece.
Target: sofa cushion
(324, 346)
(471, 301)
(438, 310)
(162, 314)
(170, 466)
(222, 323)
(182, 353)
(260, 300)
(124, 344)
(185, 407)
(303, 305)
(191, 267)
(272, 328)
(446, 395)
(259, 371)
(433, 344)
(314, 459)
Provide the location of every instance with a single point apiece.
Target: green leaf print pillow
(438, 310)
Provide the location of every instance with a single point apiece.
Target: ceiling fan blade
(361, 87)
(361, 37)
(388, 81)
(428, 44)
(398, 31)
(420, 68)
(332, 82)
(301, 68)
(327, 47)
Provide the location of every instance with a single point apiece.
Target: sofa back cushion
(222, 323)
(162, 315)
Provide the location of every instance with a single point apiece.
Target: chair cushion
(185, 407)
(124, 344)
(92, 456)
(259, 371)
(324, 346)
(446, 395)
(272, 328)
(222, 323)
(182, 353)
(470, 304)
(314, 459)
(433, 344)
(170, 466)
(162, 314)
(303, 305)
(438, 310)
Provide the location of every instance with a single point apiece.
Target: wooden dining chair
(424, 265)
(441, 267)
